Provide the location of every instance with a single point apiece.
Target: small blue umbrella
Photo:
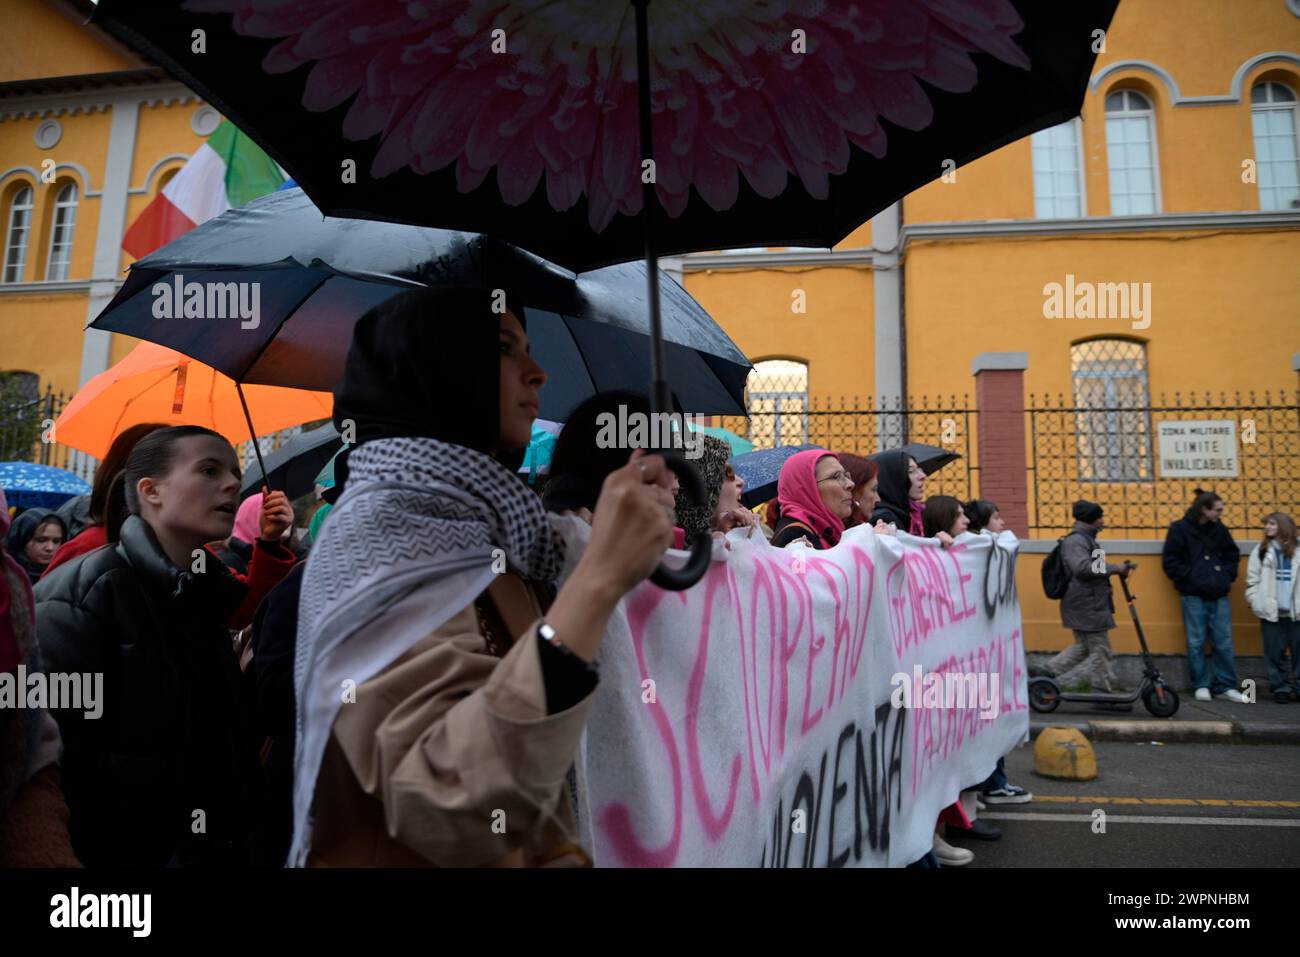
(28, 485)
(761, 469)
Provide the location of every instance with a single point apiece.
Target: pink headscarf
(248, 526)
(800, 499)
(11, 571)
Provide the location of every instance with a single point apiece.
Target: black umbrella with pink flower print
(773, 123)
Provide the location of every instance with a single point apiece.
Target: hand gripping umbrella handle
(701, 546)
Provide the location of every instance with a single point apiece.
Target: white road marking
(1143, 819)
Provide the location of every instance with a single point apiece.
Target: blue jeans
(1204, 618)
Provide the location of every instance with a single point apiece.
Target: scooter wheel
(1044, 696)
(1161, 701)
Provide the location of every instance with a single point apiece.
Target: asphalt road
(1176, 805)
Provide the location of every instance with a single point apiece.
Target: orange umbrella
(156, 384)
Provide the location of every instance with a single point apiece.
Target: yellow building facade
(85, 122)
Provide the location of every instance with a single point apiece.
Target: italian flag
(228, 170)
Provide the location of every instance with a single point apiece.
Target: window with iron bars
(1111, 410)
(777, 400)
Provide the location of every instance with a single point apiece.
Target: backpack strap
(806, 528)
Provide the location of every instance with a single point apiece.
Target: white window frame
(14, 208)
(61, 204)
(1294, 109)
(1077, 124)
(1150, 113)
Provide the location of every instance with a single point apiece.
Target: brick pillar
(1000, 398)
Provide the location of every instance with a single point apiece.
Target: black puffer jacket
(1201, 560)
(161, 776)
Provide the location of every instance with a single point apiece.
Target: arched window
(65, 221)
(776, 395)
(166, 178)
(1112, 417)
(1131, 154)
(1058, 171)
(1273, 121)
(17, 228)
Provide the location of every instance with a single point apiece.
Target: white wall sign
(1197, 449)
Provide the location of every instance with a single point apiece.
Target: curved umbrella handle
(701, 546)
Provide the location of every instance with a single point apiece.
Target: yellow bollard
(1064, 753)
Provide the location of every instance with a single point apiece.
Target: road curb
(1259, 732)
(1175, 732)
(1192, 732)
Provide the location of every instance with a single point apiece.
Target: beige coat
(448, 757)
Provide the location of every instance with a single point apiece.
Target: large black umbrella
(317, 276)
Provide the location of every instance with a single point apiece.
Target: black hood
(892, 477)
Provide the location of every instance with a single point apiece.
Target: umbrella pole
(660, 397)
(252, 434)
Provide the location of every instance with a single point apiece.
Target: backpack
(1056, 577)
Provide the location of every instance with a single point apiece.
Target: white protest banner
(800, 707)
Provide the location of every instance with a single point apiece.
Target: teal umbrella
(737, 445)
(537, 458)
(325, 477)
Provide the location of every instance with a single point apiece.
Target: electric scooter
(1158, 698)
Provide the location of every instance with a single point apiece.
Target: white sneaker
(1202, 694)
(1232, 694)
(950, 856)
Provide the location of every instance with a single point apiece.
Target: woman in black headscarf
(426, 605)
(901, 488)
(33, 539)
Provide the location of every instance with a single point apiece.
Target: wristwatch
(549, 635)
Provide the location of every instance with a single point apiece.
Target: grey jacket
(1087, 605)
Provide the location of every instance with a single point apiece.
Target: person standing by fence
(1273, 592)
(1201, 559)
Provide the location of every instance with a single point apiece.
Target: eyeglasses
(839, 476)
